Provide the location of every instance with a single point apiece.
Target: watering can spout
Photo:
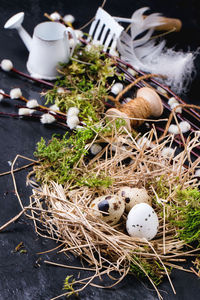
(15, 22)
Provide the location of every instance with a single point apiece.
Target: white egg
(108, 208)
(133, 196)
(142, 222)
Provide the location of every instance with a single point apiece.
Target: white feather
(147, 55)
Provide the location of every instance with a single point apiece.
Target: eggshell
(109, 208)
(133, 196)
(142, 221)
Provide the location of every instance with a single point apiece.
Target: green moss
(68, 286)
(86, 78)
(61, 159)
(185, 214)
(152, 268)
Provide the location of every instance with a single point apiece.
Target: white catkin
(54, 107)
(167, 152)
(69, 19)
(144, 141)
(32, 103)
(55, 16)
(178, 110)
(173, 129)
(132, 72)
(95, 149)
(197, 173)
(117, 88)
(172, 100)
(184, 126)
(72, 121)
(47, 119)
(15, 93)
(60, 90)
(161, 90)
(6, 65)
(79, 127)
(25, 111)
(1, 96)
(72, 111)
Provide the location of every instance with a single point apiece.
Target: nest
(62, 212)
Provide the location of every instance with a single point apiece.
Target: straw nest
(62, 212)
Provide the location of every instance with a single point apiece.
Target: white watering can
(48, 47)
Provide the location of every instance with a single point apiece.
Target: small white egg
(108, 208)
(133, 196)
(142, 222)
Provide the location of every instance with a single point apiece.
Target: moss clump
(152, 268)
(86, 78)
(185, 214)
(62, 159)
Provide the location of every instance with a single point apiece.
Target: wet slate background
(20, 279)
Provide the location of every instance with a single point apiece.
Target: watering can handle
(71, 31)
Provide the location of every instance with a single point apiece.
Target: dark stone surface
(19, 277)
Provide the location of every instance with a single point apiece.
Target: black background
(19, 278)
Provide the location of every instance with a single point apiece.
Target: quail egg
(109, 208)
(133, 196)
(142, 221)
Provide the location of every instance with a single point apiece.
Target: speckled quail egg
(142, 221)
(133, 196)
(109, 208)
